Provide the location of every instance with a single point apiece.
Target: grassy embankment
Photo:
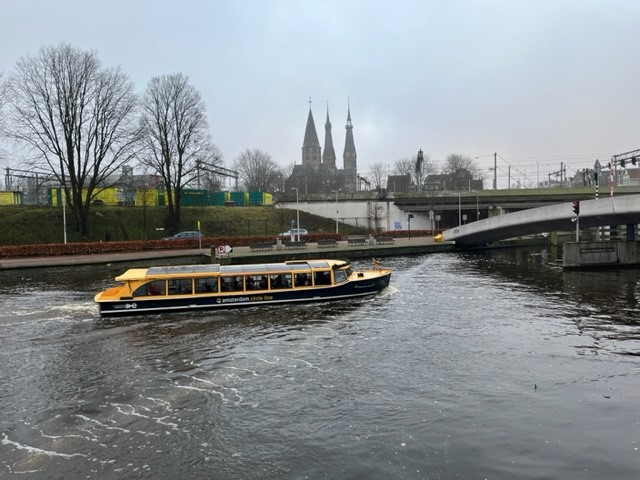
(20, 225)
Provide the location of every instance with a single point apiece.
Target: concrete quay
(239, 255)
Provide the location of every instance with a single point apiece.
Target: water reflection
(602, 303)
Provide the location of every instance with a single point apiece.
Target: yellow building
(11, 198)
(104, 196)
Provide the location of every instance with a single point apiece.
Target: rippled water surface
(488, 366)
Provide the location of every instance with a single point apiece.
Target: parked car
(295, 232)
(184, 235)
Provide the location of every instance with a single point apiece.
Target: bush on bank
(88, 248)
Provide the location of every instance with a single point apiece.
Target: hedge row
(88, 248)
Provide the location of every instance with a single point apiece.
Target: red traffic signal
(576, 207)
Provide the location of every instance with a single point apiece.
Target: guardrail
(292, 245)
(327, 243)
(256, 247)
(385, 241)
(356, 241)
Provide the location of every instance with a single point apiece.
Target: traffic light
(576, 207)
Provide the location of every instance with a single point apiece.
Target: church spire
(310, 145)
(329, 153)
(349, 156)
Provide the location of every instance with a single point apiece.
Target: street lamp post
(297, 216)
(477, 205)
(64, 212)
(459, 211)
(337, 210)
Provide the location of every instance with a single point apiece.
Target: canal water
(496, 365)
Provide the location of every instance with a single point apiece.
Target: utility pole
(596, 174)
(419, 170)
(495, 171)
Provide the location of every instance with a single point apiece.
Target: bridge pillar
(613, 253)
(631, 231)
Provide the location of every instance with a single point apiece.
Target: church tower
(349, 156)
(310, 145)
(329, 153)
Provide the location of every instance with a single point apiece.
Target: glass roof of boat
(183, 269)
(311, 263)
(272, 267)
(301, 265)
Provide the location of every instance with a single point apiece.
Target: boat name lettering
(233, 299)
(261, 298)
(363, 286)
(255, 298)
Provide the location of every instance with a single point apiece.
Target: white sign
(224, 249)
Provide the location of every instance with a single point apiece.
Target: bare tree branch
(461, 171)
(379, 174)
(4, 87)
(258, 171)
(407, 166)
(177, 144)
(76, 118)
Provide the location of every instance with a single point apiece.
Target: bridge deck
(619, 210)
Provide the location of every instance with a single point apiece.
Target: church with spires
(318, 173)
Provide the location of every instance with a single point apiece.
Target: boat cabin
(222, 279)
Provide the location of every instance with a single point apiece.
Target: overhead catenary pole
(596, 174)
(612, 165)
(419, 170)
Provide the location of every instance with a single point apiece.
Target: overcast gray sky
(538, 82)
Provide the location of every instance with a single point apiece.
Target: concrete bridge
(620, 210)
(434, 209)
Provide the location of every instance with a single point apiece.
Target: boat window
(207, 285)
(340, 276)
(302, 280)
(322, 278)
(256, 282)
(157, 287)
(232, 283)
(180, 286)
(282, 280)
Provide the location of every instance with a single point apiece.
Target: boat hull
(350, 289)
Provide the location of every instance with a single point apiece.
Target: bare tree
(258, 171)
(379, 174)
(177, 144)
(375, 215)
(3, 99)
(408, 166)
(461, 170)
(77, 120)
(458, 161)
